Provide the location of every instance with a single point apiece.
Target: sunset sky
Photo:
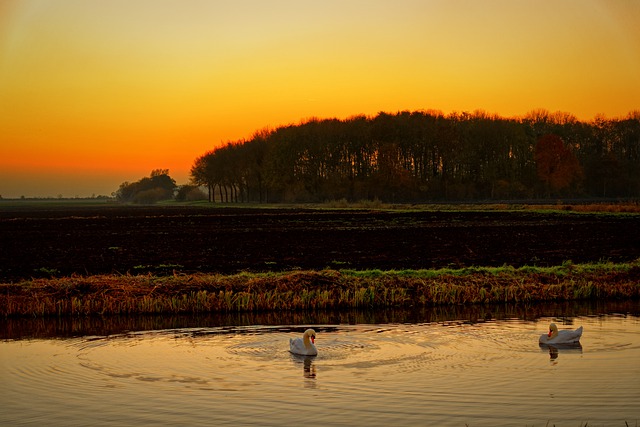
(97, 92)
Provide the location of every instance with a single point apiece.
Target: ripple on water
(446, 374)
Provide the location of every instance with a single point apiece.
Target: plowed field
(37, 242)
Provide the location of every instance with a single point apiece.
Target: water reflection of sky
(452, 372)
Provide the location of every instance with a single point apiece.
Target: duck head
(553, 331)
(310, 334)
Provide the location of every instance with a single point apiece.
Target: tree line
(413, 157)
(426, 155)
(156, 187)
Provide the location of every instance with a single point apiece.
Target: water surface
(487, 372)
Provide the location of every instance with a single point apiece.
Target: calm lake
(476, 366)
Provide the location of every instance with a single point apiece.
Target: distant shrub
(149, 197)
(190, 193)
(196, 194)
(360, 204)
(342, 203)
(158, 186)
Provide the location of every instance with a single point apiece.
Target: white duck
(561, 337)
(304, 346)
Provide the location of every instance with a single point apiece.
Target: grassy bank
(312, 290)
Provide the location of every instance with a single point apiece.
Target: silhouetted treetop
(158, 186)
(413, 156)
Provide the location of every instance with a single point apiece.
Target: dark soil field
(59, 240)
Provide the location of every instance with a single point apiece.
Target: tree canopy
(425, 155)
(158, 186)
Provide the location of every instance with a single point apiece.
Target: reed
(315, 290)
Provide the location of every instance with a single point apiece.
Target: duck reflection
(308, 367)
(556, 349)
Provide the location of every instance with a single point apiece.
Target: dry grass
(615, 208)
(313, 290)
(623, 207)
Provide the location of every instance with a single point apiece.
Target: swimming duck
(561, 337)
(304, 346)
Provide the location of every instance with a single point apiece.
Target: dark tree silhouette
(158, 186)
(425, 155)
(557, 166)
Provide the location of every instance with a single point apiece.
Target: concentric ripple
(456, 373)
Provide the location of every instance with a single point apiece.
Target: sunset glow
(94, 93)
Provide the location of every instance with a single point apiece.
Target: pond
(478, 366)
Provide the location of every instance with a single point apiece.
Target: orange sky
(97, 92)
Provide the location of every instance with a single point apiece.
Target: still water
(456, 370)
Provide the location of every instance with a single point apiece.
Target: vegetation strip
(311, 290)
(424, 155)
